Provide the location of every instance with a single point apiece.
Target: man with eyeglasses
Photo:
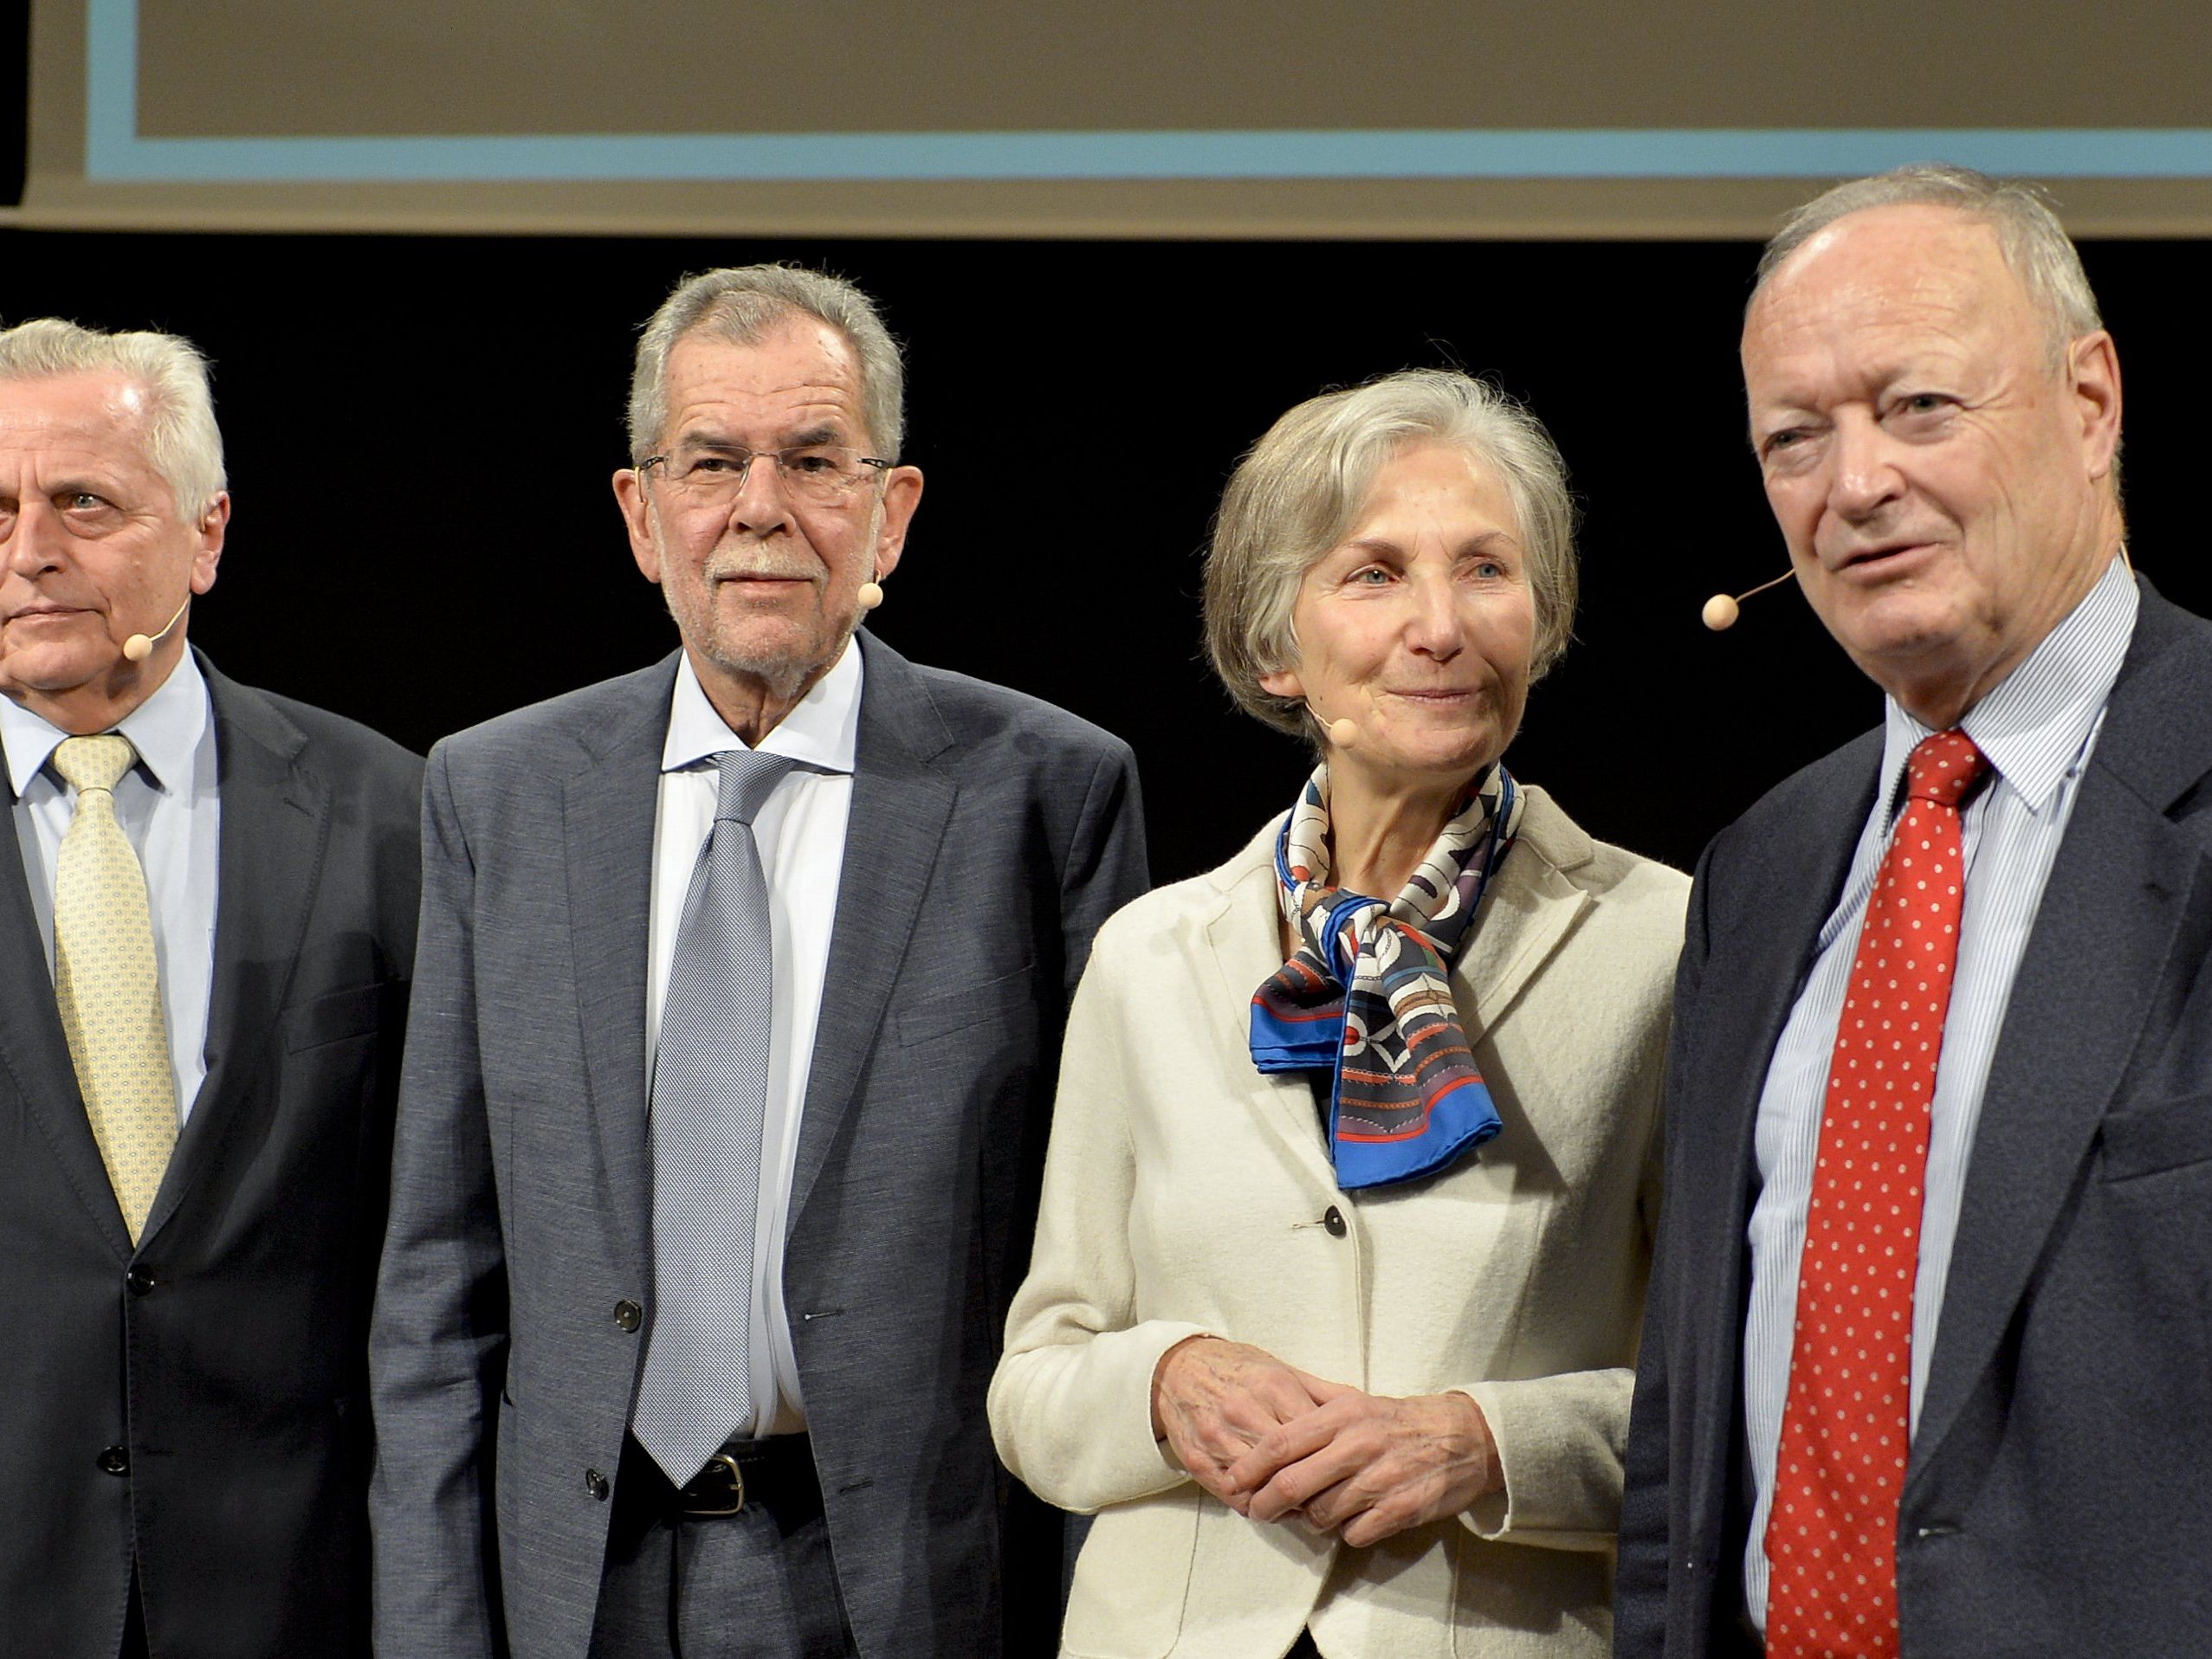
(742, 981)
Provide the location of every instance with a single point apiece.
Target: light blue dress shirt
(168, 807)
(2037, 727)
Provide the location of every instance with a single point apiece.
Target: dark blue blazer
(2057, 1500)
(223, 1359)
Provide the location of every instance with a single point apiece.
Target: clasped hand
(1273, 1442)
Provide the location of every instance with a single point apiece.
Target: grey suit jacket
(223, 1359)
(2055, 1501)
(989, 835)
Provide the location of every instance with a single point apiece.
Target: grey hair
(2036, 247)
(741, 303)
(1303, 487)
(183, 440)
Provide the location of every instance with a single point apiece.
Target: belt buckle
(699, 1504)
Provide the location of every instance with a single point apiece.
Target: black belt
(757, 1472)
(772, 1474)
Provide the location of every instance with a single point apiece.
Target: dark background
(420, 432)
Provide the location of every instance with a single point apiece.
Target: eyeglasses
(812, 472)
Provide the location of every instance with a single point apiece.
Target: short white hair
(740, 304)
(183, 440)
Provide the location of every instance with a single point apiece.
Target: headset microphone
(139, 647)
(1721, 611)
(870, 595)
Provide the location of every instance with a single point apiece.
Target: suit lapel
(1531, 908)
(608, 809)
(900, 805)
(1245, 941)
(1766, 908)
(35, 1057)
(2102, 943)
(276, 818)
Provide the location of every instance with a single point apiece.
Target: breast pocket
(1004, 1003)
(2166, 1138)
(340, 1015)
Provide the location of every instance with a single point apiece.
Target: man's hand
(1366, 1467)
(1213, 1400)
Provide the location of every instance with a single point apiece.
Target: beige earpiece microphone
(139, 647)
(1721, 611)
(870, 595)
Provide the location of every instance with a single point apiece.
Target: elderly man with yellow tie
(208, 931)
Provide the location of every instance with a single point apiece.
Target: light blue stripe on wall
(114, 152)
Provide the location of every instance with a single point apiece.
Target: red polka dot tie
(1832, 1533)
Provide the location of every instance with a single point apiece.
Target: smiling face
(1940, 485)
(1419, 627)
(94, 549)
(764, 587)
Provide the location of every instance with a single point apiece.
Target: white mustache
(735, 566)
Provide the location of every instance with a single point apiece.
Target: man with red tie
(1927, 1354)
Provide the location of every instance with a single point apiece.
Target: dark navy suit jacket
(224, 1358)
(2057, 1501)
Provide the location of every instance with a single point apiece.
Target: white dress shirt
(167, 806)
(2037, 727)
(801, 832)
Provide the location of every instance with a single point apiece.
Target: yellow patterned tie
(104, 981)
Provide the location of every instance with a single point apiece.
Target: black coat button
(1334, 1221)
(595, 1484)
(139, 1279)
(116, 1461)
(627, 1314)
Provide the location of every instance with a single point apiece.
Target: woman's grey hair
(1304, 485)
(2036, 247)
(740, 304)
(183, 440)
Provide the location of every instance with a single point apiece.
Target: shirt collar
(2032, 724)
(824, 730)
(166, 729)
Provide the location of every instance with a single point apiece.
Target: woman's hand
(1214, 1401)
(1366, 1467)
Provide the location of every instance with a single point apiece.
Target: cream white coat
(1185, 1192)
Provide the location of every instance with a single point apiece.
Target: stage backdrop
(1304, 118)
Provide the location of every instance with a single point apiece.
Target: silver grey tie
(710, 1086)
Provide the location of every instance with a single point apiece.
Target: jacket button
(139, 1279)
(627, 1314)
(116, 1461)
(1334, 1221)
(595, 1484)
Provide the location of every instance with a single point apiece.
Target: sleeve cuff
(1088, 1411)
(1559, 1442)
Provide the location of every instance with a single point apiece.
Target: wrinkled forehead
(99, 415)
(796, 375)
(1890, 263)
(1887, 290)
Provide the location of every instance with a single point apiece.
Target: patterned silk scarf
(1405, 1096)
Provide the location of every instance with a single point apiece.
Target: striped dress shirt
(2037, 727)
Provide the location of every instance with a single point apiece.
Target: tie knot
(748, 779)
(93, 762)
(1944, 768)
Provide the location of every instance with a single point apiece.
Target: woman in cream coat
(1339, 1354)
